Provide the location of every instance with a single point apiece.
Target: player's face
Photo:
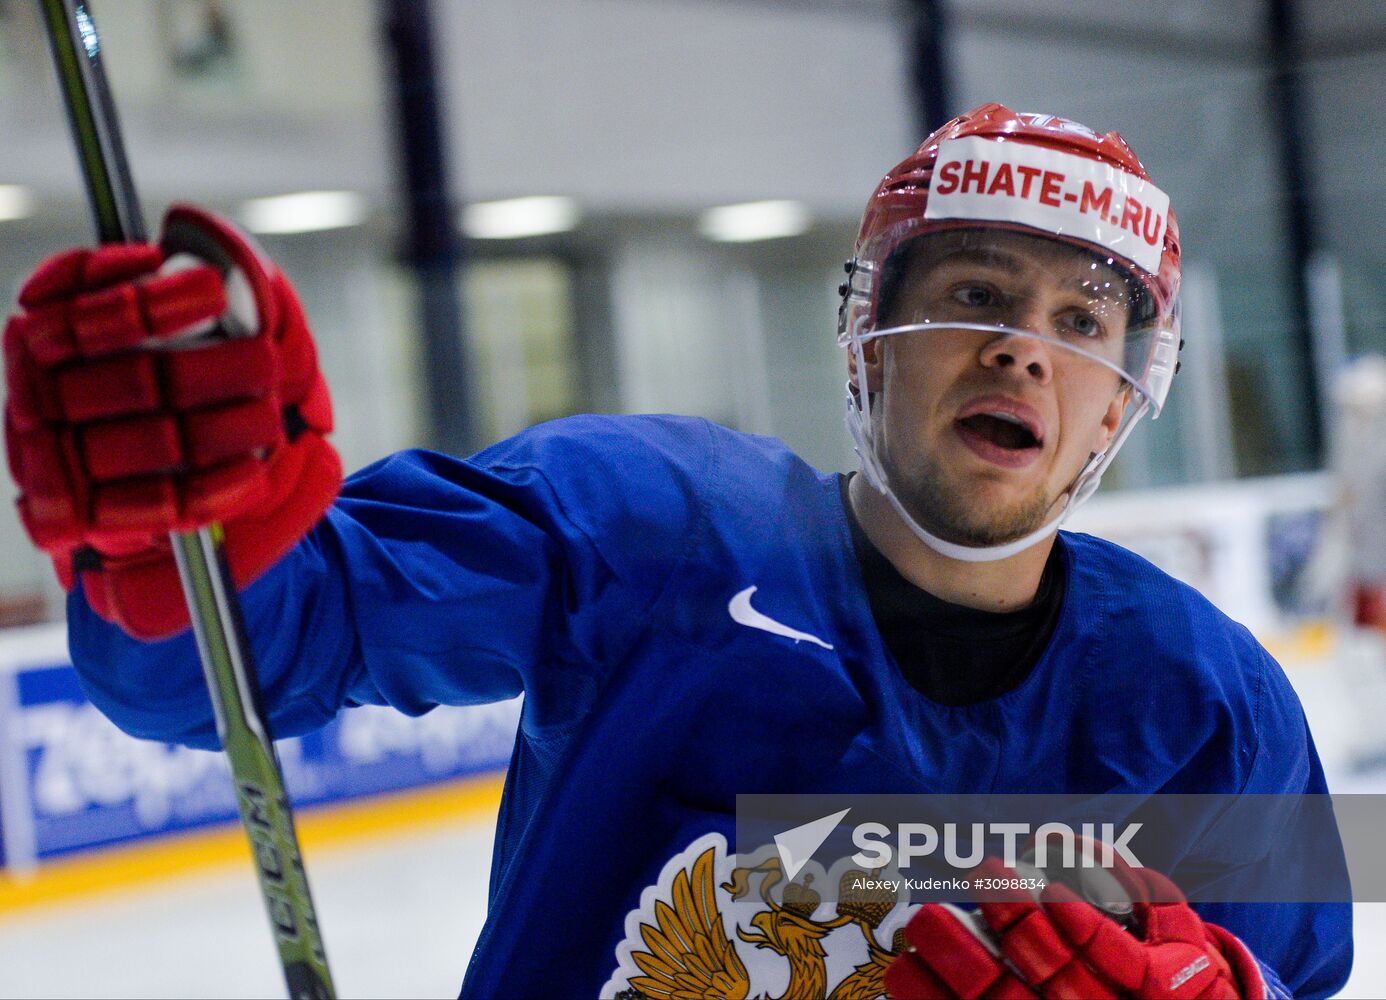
(982, 432)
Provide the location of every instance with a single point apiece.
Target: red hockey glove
(1062, 946)
(161, 388)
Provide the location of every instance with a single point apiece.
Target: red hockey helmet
(1039, 174)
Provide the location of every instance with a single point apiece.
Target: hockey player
(691, 612)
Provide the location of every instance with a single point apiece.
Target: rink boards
(70, 782)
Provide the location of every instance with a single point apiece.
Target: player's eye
(976, 296)
(1084, 324)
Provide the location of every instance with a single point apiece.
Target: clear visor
(1061, 305)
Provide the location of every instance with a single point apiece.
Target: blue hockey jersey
(590, 563)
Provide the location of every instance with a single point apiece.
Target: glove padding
(141, 401)
(1062, 946)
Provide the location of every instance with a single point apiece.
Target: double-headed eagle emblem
(682, 949)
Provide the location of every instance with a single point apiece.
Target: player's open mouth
(1001, 432)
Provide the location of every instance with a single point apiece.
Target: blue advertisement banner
(86, 784)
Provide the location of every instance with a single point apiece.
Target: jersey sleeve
(434, 580)
(1306, 948)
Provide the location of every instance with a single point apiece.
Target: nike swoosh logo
(743, 614)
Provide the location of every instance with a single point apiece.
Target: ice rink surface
(400, 914)
(400, 917)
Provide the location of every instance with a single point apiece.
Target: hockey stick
(207, 586)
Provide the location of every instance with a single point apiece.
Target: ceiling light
(16, 202)
(514, 218)
(754, 220)
(304, 212)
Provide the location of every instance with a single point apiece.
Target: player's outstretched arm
(430, 580)
(435, 580)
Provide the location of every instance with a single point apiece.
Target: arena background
(616, 286)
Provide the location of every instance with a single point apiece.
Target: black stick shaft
(207, 585)
(91, 111)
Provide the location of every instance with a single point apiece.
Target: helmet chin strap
(977, 553)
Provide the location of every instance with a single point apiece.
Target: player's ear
(1111, 420)
(871, 354)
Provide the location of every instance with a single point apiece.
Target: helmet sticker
(1053, 191)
